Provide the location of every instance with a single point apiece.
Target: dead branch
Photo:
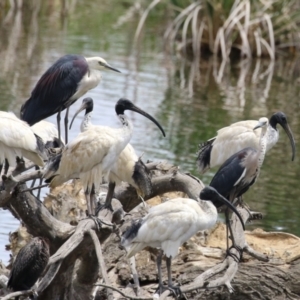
(101, 261)
(16, 294)
(121, 293)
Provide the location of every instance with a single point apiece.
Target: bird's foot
(99, 223)
(175, 290)
(236, 257)
(102, 207)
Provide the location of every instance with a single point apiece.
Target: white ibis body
(29, 265)
(18, 139)
(69, 78)
(91, 155)
(238, 136)
(128, 166)
(168, 225)
(48, 132)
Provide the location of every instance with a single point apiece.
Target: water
(191, 103)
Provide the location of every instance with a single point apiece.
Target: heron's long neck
(86, 123)
(262, 146)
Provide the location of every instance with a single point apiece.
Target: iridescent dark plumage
(29, 265)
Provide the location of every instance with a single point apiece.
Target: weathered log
(74, 265)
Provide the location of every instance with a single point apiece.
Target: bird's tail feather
(142, 178)
(203, 157)
(129, 235)
(50, 170)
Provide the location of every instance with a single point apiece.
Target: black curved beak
(289, 133)
(216, 196)
(124, 104)
(81, 108)
(111, 68)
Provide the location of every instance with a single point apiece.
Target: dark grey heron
(168, 225)
(238, 136)
(92, 154)
(29, 265)
(128, 166)
(69, 78)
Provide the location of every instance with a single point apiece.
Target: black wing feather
(56, 86)
(29, 265)
(229, 173)
(142, 178)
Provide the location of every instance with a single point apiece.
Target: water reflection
(191, 99)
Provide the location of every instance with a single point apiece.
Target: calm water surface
(191, 103)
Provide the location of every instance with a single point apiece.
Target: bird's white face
(97, 63)
(262, 123)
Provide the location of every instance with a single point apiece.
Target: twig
(123, 294)
(35, 188)
(16, 294)
(101, 261)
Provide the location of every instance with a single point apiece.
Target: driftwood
(87, 259)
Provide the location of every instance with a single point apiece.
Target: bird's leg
(66, 124)
(232, 239)
(6, 166)
(58, 125)
(227, 227)
(34, 180)
(39, 190)
(158, 262)
(93, 200)
(109, 195)
(88, 202)
(174, 289)
(244, 205)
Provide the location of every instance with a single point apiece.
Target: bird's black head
(122, 105)
(211, 194)
(87, 104)
(280, 118)
(125, 104)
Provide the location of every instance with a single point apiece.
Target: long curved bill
(289, 133)
(218, 197)
(81, 108)
(125, 104)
